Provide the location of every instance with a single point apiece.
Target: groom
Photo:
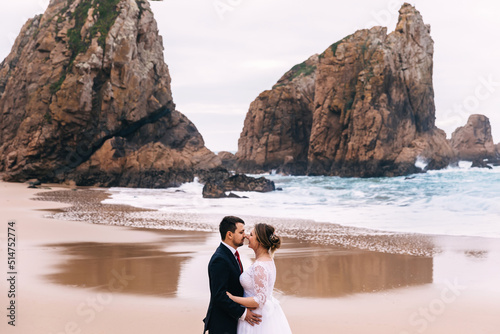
(224, 270)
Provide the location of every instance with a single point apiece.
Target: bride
(258, 282)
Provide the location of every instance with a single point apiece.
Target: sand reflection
(308, 270)
(177, 267)
(143, 268)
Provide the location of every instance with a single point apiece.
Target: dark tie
(239, 261)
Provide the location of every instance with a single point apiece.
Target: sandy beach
(80, 277)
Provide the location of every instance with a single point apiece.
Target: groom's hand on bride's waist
(253, 318)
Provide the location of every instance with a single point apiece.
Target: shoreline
(322, 288)
(89, 208)
(456, 202)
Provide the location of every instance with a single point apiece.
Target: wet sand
(92, 278)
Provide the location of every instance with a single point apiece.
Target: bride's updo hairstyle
(266, 237)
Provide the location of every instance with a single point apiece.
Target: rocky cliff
(85, 95)
(364, 107)
(278, 124)
(474, 141)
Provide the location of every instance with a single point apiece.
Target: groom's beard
(241, 244)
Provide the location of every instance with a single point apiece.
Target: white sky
(220, 60)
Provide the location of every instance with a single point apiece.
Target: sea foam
(454, 201)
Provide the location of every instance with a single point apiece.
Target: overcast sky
(223, 53)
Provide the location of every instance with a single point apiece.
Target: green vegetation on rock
(105, 14)
(76, 43)
(301, 68)
(54, 88)
(48, 117)
(334, 46)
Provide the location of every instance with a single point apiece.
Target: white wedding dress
(258, 282)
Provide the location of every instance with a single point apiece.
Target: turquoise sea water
(454, 201)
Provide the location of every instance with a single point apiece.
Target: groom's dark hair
(228, 223)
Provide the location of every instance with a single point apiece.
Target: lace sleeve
(261, 284)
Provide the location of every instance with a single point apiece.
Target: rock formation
(364, 107)
(217, 187)
(228, 160)
(213, 190)
(474, 141)
(278, 124)
(241, 182)
(85, 95)
(480, 163)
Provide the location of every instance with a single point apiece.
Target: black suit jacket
(224, 275)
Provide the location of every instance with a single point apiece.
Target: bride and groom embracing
(242, 302)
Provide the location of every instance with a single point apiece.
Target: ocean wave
(454, 201)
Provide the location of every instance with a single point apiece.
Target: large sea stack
(364, 107)
(85, 96)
